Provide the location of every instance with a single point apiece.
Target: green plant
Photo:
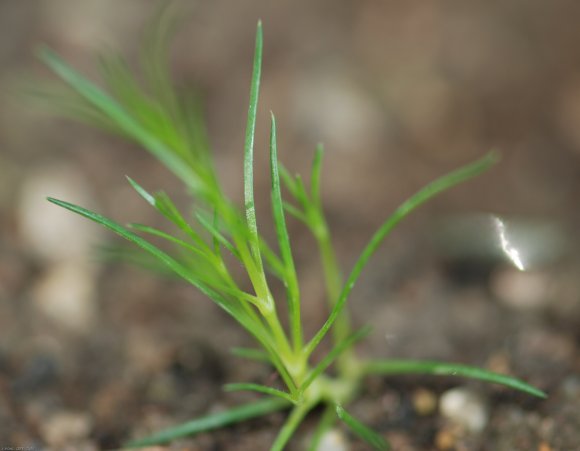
(151, 114)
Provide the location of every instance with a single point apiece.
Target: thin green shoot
(332, 355)
(158, 119)
(249, 149)
(364, 432)
(293, 291)
(260, 389)
(391, 367)
(250, 354)
(431, 190)
(214, 421)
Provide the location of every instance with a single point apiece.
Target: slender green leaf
(332, 355)
(164, 205)
(119, 116)
(388, 367)
(161, 234)
(260, 389)
(439, 185)
(249, 147)
(145, 109)
(251, 354)
(217, 236)
(234, 308)
(296, 213)
(214, 239)
(167, 208)
(273, 262)
(213, 421)
(294, 419)
(155, 59)
(368, 435)
(68, 103)
(133, 256)
(288, 180)
(290, 279)
(302, 193)
(206, 265)
(120, 230)
(315, 174)
(142, 192)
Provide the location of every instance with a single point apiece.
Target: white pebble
(63, 427)
(66, 295)
(521, 290)
(465, 408)
(333, 440)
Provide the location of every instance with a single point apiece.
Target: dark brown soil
(94, 353)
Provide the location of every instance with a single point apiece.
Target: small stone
(466, 408)
(343, 114)
(521, 290)
(66, 426)
(445, 439)
(333, 440)
(424, 401)
(147, 352)
(66, 295)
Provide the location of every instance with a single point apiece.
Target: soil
(94, 352)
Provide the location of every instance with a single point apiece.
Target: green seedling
(204, 244)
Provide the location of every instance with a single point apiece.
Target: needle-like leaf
(260, 389)
(213, 421)
(249, 147)
(235, 309)
(363, 431)
(217, 236)
(431, 190)
(251, 354)
(290, 277)
(117, 114)
(315, 174)
(388, 367)
(332, 355)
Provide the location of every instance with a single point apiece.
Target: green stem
(295, 366)
(427, 192)
(332, 276)
(292, 423)
(333, 282)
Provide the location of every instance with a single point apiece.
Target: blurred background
(399, 93)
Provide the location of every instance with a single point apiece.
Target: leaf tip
(43, 52)
(259, 32)
(539, 393)
(494, 156)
